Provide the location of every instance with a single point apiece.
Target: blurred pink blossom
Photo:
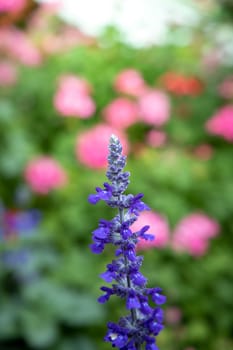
(192, 234)
(154, 107)
(130, 82)
(12, 5)
(72, 97)
(222, 123)
(121, 113)
(204, 151)
(8, 74)
(158, 226)
(75, 83)
(44, 174)
(92, 145)
(156, 138)
(16, 44)
(225, 89)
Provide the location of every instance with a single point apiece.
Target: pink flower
(92, 145)
(154, 108)
(130, 82)
(16, 44)
(225, 89)
(192, 234)
(73, 82)
(156, 138)
(12, 5)
(121, 113)
(44, 174)
(222, 123)
(72, 97)
(8, 74)
(158, 227)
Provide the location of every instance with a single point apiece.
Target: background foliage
(48, 278)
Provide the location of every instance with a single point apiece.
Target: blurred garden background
(163, 82)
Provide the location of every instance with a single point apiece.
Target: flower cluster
(221, 123)
(121, 113)
(144, 322)
(130, 82)
(154, 108)
(16, 44)
(91, 147)
(72, 98)
(193, 233)
(44, 174)
(158, 225)
(180, 84)
(12, 5)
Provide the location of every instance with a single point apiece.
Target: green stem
(133, 311)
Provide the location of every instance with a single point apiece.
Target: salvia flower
(144, 320)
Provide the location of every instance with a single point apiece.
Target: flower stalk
(144, 322)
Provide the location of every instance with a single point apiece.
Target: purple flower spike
(143, 323)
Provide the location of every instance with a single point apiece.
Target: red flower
(181, 84)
